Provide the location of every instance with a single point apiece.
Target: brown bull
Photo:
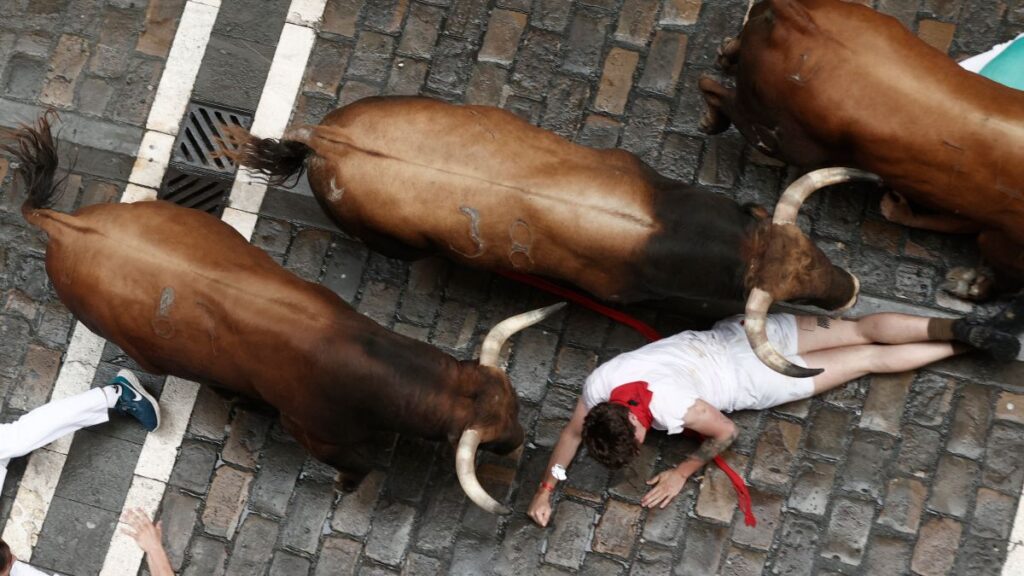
(414, 176)
(825, 82)
(182, 293)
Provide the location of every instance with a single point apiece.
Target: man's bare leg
(819, 333)
(851, 362)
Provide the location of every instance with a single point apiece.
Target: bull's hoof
(713, 122)
(974, 284)
(728, 55)
(348, 483)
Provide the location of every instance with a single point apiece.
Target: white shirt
(22, 569)
(678, 370)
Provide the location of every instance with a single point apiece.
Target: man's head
(612, 434)
(6, 559)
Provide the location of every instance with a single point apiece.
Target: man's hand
(667, 486)
(146, 534)
(149, 537)
(540, 507)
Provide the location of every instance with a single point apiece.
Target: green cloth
(1008, 67)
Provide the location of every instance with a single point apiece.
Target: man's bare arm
(565, 450)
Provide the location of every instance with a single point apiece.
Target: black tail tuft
(35, 149)
(278, 160)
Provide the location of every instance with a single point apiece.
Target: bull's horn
(465, 469)
(754, 323)
(491, 349)
(793, 198)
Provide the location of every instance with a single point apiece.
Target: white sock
(112, 392)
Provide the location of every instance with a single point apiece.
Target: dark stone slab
(256, 21)
(195, 465)
(233, 72)
(75, 537)
(98, 471)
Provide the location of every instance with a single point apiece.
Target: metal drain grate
(197, 140)
(198, 177)
(195, 189)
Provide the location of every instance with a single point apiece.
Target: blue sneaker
(134, 401)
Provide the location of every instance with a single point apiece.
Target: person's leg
(819, 333)
(851, 362)
(52, 421)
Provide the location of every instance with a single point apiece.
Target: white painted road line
(35, 493)
(1014, 565)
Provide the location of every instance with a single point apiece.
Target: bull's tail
(35, 150)
(277, 159)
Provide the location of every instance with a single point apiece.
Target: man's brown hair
(6, 558)
(609, 435)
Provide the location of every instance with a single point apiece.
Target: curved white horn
(491, 349)
(793, 198)
(465, 469)
(754, 323)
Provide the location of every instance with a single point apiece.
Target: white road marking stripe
(35, 493)
(1014, 565)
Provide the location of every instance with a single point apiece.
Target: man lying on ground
(690, 379)
(124, 395)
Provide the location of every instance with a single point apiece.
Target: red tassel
(648, 332)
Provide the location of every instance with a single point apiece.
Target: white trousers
(49, 422)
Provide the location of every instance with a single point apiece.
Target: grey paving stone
(452, 66)
(936, 548)
(864, 468)
(585, 40)
(981, 556)
(178, 514)
(254, 21)
(887, 555)
(1002, 469)
(775, 451)
(353, 513)
(767, 509)
(233, 72)
(251, 552)
(919, 451)
(904, 502)
(304, 525)
(338, 557)
(279, 470)
(574, 524)
(74, 537)
(993, 515)
(306, 255)
(521, 548)
(194, 467)
(550, 15)
(472, 557)
(970, 422)
(650, 561)
(704, 547)
(536, 62)
(385, 15)
(248, 433)
(534, 352)
(420, 31)
(828, 432)
(564, 106)
(391, 532)
(848, 529)
(741, 562)
(98, 471)
(285, 564)
(951, 492)
(798, 543)
(207, 558)
(930, 398)
(883, 407)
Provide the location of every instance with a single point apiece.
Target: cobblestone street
(916, 473)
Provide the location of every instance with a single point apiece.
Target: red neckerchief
(637, 398)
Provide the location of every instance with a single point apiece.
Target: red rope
(648, 332)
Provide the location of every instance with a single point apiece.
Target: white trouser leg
(51, 421)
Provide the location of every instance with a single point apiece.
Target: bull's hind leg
(719, 101)
(728, 56)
